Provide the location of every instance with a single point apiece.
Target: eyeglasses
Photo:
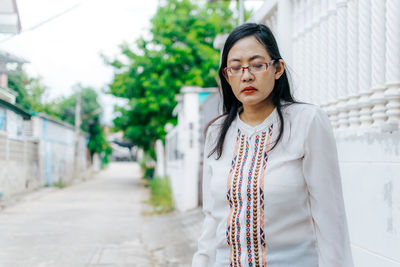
(253, 68)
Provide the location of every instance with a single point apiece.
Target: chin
(252, 103)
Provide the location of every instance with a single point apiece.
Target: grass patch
(161, 195)
(59, 185)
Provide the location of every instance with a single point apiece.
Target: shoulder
(303, 113)
(301, 119)
(215, 125)
(218, 121)
(301, 109)
(212, 130)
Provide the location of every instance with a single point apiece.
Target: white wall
(192, 150)
(19, 170)
(183, 150)
(47, 157)
(370, 168)
(345, 57)
(14, 125)
(57, 146)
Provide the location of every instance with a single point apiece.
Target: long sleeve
(206, 244)
(322, 175)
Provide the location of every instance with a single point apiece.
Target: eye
(236, 68)
(257, 66)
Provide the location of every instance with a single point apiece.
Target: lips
(249, 90)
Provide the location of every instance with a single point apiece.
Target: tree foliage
(179, 52)
(32, 97)
(90, 108)
(91, 111)
(31, 92)
(18, 81)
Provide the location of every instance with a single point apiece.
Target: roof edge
(16, 108)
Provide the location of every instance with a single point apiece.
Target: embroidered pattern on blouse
(255, 202)
(239, 189)
(254, 236)
(248, 206)
(262, 233)
(228, 194)
(233, 247)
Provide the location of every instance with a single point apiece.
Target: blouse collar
(263, 125)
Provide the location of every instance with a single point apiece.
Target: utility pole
(77, 129)
(241, 12)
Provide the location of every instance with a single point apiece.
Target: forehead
(247, 48)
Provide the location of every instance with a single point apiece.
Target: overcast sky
(66, 49)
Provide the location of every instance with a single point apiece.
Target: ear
(280, 68)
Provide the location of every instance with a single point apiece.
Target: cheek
(235, 85)
(269, 82)
(235, 92)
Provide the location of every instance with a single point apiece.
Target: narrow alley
(101, 222)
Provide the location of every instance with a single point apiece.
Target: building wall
(3, 119)
(175, 167)
(44, 158)
(14, 125)
(183, 141)
(344, 56)
(19, 169)
(209, 109)
(370, 168)
(183, 147)
(57, 146)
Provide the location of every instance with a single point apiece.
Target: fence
(345, 57)
(183, 146)
(57, 148)
(19, 162)
(44, 155)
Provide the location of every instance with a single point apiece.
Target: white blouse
(278, 208)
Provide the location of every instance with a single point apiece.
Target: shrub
(161, 195)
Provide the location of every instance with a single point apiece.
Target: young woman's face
(252, 89)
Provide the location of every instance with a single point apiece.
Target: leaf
(180, 52)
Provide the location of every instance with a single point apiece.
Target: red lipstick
(249, 90)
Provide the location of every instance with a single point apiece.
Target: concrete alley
(100, 222)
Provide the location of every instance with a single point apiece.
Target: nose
(247, 75)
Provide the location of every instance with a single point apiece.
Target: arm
(322, 175)
(205, 252)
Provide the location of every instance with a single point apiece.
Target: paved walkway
(96, 223)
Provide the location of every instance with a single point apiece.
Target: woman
(272, 188)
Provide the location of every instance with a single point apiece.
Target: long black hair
(280, 93)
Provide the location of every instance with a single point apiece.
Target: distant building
(37, 150)
(11, 116)
(9, 17)
(6, 59)
(34, 150)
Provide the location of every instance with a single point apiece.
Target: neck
(254, 115)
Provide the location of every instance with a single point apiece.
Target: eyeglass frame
(248, 68)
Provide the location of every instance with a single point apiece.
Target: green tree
(32, 95)
(179, 52)
(31, 92)
(18, 81)
(91, 110)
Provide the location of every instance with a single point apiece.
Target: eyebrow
(250, 59)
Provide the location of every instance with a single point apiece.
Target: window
(3, 119)
(20, 126)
